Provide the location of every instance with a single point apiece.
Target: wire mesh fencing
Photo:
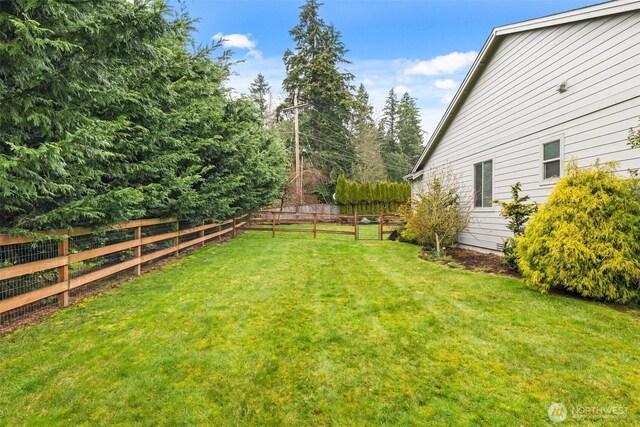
(47, 272)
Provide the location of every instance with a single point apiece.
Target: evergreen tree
(395, 161)
(409, 131)
(396, 164)
(107, 116)
(367, 141)
(389, 123)
(260, 92)
(312, 68)
(362, 111)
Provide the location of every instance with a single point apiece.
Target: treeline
(108, 113)
(370, 199)
(339, 134)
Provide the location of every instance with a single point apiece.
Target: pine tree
(389, 123)
(395, 161)
(260, 92)
(367, 141)
(313, 68)
(362, 110)
(409, 131)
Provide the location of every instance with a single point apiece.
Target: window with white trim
(551, 163)
(483, 184)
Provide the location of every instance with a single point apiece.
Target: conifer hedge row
(370, 198)
(109, 113)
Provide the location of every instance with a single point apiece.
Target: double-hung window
(551, 163)
(483, 184)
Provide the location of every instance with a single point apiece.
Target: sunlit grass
(296, 331)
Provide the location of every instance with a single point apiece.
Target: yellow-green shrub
(586, 238)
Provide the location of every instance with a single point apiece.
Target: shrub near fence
(39, 272)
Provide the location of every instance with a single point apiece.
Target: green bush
(586, 238)
(518, 212)
(439, 214)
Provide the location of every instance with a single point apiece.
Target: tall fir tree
(260, 92)
(367, 141)
(395, 161)
(409, 132)
(362, 110)
(389, 122)
(313, 68)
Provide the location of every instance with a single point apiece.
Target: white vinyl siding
(514, 108)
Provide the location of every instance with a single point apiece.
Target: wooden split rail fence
(34, 270)
(277, 221)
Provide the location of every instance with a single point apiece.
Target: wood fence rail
(277, 218)
(61, 260)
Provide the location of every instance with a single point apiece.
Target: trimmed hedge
(586, 238)
(370, 198)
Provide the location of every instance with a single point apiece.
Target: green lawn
(299, 331)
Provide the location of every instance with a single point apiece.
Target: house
(541, 93)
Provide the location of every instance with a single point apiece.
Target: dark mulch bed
(478, 261)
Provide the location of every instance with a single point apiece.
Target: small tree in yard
(518, 212)
(438, 214)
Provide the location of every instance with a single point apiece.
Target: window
(551, 160)
(483, 184)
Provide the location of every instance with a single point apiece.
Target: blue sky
(423, 47)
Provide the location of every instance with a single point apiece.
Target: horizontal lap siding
(514, 107)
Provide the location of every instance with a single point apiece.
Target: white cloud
(445, 84)
(239, 41)
(445, 64)
(400, 90)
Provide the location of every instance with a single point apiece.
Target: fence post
(234, 226)
(315, 224)
(202, 234)
(137, 251)
(381, 224)
(355, 223)
(63, 272)
(177, 252)
(273, 225)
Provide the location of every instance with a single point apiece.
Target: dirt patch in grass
(478, 261)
